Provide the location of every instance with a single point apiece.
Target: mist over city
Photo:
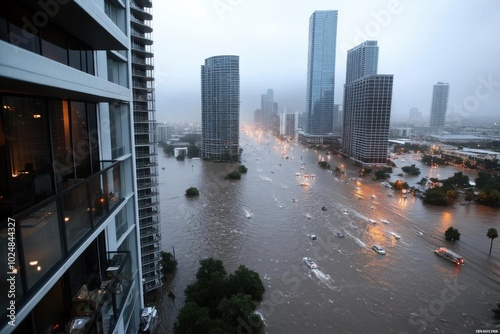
(237, 166)
(421, 43)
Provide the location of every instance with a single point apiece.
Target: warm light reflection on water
(354, 282)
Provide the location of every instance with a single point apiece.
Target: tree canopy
(218, 303)
(452, 234)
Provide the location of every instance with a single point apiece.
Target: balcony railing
(49, 233)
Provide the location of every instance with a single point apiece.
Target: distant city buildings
(321, 73)
(163, 131)
(220, 108)
(415, 117)
(367, 106)
(269, 110)
(439, 105)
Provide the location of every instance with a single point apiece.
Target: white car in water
(378, 249)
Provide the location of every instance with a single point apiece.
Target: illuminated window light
(33, 263)
(37, 116)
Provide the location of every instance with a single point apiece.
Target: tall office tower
(146, 142)
(220, 108)
(367, 106)
(257, 117)
(69, 240)
(268, 109)
(321, 72)
(439, 104)
(337, 119)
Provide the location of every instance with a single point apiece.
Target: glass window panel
(83, 55)
(54, 44)
(90, 62)
(81, 149)
(76, 215)
(60, 127)
(4, 32)
(75, 60)
(94, 136)
(26, 38)
(41, 240)
(27, 130)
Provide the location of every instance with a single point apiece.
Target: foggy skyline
(421, 43)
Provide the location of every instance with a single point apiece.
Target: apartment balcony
(144, 3)
(141, 25)
(144, 129)
(150, 195)
(146, 74)
(144, 97)
(146, 164)
(141, 12)
(146, 241)
(154, 213)
(142, 37)
(149, 222)
(149, 259)
(141, 52)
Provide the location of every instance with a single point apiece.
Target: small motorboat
(310, 263)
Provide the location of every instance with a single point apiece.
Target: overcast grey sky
(421, 42)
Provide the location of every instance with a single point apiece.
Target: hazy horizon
(420, 43)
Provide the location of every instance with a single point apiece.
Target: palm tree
(492, 234)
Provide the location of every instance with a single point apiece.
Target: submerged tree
(452, 234)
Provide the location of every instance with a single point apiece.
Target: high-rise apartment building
(220, 108)
(321, 72)
(367, 106)
(69, 240)
(439, 104)
(146, 142)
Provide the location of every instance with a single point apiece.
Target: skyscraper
(267, 108)
(321, 72)
(367, 106)
(220, 108)
(146, 142)
(439, 104)
(69, 235)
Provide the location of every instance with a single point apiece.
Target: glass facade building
(439, 105)
(220, 108)
(367, 106)
(69, 231)
(321, 72)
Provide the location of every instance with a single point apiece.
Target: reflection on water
(256, 221)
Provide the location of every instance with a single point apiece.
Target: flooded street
(265, 221)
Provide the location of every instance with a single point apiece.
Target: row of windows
(47, 145)
(44, 39)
